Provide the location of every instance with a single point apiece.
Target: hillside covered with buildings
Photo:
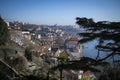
(35, 51)
(45, 52)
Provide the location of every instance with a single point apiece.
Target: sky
(61, 12)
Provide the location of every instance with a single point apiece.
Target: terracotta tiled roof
(72, 42)
(74, 39)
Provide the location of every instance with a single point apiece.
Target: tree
(4, 33)
(85, 79)
(62, 60)
(20, 62)
(108, 36)
(28, 53)
(107, 33)
(3, 76)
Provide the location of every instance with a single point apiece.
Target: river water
(90, 51)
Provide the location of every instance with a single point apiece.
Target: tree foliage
(20, 62)
(28, 53)
(4, 33)
(108, 36)
(107, 33)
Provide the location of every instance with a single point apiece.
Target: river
(90, 51)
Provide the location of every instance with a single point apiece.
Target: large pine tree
(107, 33)
(108, 36)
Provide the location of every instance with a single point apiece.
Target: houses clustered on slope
(46, 37)
(51, 41)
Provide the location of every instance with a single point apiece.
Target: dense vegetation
(4, 33)
(108, 36)
(107, 33)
